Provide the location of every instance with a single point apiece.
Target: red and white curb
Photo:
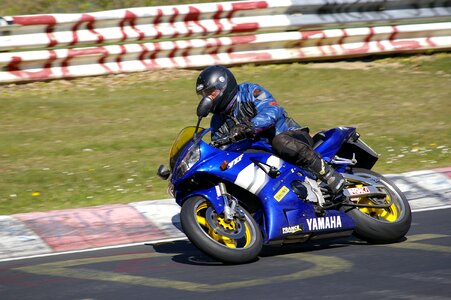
(85, 229)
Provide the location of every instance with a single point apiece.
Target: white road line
(96, 249)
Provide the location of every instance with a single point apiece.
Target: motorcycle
(237, 196)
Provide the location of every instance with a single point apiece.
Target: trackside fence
(42, 47)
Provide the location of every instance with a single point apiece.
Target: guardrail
(40, 47)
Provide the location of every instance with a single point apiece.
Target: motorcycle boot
(332, 178)
(328, 175)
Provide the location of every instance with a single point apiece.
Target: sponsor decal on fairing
(323, 223)
(281, 193)
(235, 161)
(292, 229)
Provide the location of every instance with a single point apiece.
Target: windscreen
(181, 140)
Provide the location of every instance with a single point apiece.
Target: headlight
(190, 158)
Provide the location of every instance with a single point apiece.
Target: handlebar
(222, 142)
(227, 141)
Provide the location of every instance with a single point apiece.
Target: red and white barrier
(286, 46)
(137, 24)
(217, 36)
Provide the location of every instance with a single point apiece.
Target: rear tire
(235, 242)
(381, 225)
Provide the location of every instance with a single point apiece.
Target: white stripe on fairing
(274, 161)
(246, 178)
(261, 179)
(254, 179)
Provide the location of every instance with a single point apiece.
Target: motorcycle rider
(248, 110)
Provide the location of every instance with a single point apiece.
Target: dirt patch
(114, 81)
(353, 65)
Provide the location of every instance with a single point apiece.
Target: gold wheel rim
(226, 241)
(390, 214)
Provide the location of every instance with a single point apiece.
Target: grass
(93, 141)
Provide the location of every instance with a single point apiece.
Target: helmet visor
(214, 90)
(211, 93)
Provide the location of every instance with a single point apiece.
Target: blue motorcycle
(237, 196)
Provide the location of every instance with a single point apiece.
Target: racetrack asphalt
(416, 268)
(61, 231)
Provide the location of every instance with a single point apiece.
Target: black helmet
(219, 84)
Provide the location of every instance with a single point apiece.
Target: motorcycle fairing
(285, 214)
(283, 209)
(345, 143)
(212, 194)
(333, 140)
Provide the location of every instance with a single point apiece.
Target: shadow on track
(186, 253)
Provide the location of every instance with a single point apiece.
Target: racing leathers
(262, 116)
(253, 105)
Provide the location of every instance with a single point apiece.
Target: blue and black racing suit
(255, 106)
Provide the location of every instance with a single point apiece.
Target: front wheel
(236, 241)
(380, 225)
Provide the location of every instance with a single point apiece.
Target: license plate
(358, 190)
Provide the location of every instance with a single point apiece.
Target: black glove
(241, 131)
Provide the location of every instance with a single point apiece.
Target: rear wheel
(235, 241)
(380, 225)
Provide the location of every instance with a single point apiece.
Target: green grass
(100, 140)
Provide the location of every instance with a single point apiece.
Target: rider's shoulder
(254, 91)
(249, 86)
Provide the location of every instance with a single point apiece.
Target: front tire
(237, 241)
(381, 225)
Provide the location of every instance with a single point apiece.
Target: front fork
(230, 203)
(222, 202)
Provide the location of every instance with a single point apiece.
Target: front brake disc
(235, 230)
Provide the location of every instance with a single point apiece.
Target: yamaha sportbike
(236, 196)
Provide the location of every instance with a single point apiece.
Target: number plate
(358, 190)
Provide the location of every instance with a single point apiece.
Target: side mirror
(204, 107)
(163, 172)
